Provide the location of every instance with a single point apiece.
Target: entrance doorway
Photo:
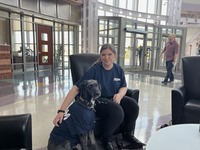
(45, 47)
(137, 55)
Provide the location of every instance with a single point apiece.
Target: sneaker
(107, 144)
(164, 82)
(132, 139)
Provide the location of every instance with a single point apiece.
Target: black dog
(78, 126)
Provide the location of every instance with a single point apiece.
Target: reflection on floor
(41, 94)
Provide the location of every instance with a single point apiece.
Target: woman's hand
(59, 117)
(68, 100)
(117, 98)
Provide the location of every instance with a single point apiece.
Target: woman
(113, 106)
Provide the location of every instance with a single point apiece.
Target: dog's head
(89, 91)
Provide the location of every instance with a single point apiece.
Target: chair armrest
(133, 93)
(178, 97)
(16, 131)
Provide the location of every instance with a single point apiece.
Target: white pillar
(89, 26)
(174, 12)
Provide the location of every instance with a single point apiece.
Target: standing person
(140, 55)
(171, 50)
(113, 106)
(198, 50)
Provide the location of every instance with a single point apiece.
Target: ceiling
(189, 10)
(72, 2)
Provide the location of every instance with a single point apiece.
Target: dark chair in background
(16, 132)
(186, 99)
(80, 63)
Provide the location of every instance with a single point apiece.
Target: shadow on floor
(177, 75)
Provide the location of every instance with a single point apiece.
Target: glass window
(71, 37)
(141, 27)
(103, 24)
(44, 59)
(44, 37)
(66, 37)
(113, 24)
(151, 6)
(164, 7)
(150, 21)
(150, 29)
(101, 1)
(101, 13)
(4, 14)
(45, 48)
(163, 22)
(122, 4)
(109, 14)
(142, 6)
(17, 41)
(179, 32)
(150, 35)
(109, 2)
(164, 30)
(169, 31)
(44, 22)
(130, 4)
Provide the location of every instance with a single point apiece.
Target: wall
(4, 30)
(192, 41)
(5, 62)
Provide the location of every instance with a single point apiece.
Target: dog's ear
(83, 89)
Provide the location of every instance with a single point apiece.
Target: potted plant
(58, 55)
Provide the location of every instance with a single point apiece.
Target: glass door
(137, 56)
(45, 47)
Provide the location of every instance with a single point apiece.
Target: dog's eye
(92, 86)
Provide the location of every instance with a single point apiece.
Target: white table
(175, 137)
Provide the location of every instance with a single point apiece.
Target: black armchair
(186, 99)
(80, 63)
(16, 132)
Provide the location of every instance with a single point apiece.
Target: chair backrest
(191, 76)
(16, 132)
(80, 63)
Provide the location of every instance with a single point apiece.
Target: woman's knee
(130, 106)
(115, 111)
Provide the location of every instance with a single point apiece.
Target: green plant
(58, 55)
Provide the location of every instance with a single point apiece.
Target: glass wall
(24, 41)
(150, 11)
(139, 44)
(16, 45)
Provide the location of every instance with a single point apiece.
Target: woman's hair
(104, 47)
(108, 46)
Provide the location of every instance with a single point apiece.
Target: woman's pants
(113, 115)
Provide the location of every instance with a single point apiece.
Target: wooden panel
(5, 62)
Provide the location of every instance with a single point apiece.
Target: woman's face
(107, 57)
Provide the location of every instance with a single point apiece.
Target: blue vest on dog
(80, 121)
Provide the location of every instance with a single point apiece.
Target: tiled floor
(41, 95)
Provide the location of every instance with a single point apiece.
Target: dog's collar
(86, 104)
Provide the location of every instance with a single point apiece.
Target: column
(89, 26)
(174, 12)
